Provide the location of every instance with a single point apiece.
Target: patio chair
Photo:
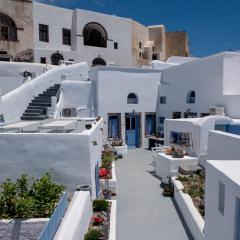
(155, 151)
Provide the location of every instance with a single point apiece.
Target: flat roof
(59, 123)
(229, 168)
(21, 124)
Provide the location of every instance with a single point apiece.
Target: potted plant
(118, 146)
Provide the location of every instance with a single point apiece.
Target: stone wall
(177, 44)
(20, 11)
(139, 34)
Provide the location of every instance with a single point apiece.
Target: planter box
(34, 228)
(113, 220)
(192, 217)
(120, 149)
(112, 181)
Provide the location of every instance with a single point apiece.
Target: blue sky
(213, 26)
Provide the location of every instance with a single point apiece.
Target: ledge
(192, 217)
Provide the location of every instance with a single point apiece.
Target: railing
(52, 226)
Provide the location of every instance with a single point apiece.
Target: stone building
(16, 30)
(32, 31)
(177, 44)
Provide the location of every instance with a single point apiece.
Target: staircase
(37, 109)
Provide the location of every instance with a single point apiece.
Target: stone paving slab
(142, 212)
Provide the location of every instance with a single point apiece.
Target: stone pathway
(142, 212)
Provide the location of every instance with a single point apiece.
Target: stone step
(40, 104)
(32, 118)
(41, 111)
(32, 114)
(50, 91)
(47, 94)
(42, 100)
(43, 97)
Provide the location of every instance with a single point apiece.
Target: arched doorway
(95, 35)
(98, 62)
(56, 58)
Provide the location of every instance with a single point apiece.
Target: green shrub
(93, 234)
(28, 199)
(100, 205)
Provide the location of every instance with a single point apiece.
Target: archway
(56, 58)
(95, 35)
(98, 62)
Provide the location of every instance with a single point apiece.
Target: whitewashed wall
(113, 86)
(206, 77)
(77, 94)
(14, 103)
(71, 156)
(218, 226)
(10, 77)
(223, 146)
(58, 18)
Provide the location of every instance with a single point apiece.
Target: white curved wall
(10, 78)
(14, 103)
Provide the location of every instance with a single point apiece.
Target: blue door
(132, 130)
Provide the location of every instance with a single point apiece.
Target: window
(43, 33)
(190, 114)
(221, 197)
(191, 97)
(150, 124)
(154, 56)
(8, 30)
(140, 54)
(153, 49)
(115, 45)
(56, 58)
(95, 35)
(204, 114)
(132, 98)
(114, 125)
(43, 60)
(140, 45)
(176, 115)
(66, 35)
(163, 100)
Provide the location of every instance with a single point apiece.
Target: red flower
(97, 220)
(103, 173)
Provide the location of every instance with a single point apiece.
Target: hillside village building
(60, 117)
(32, 31)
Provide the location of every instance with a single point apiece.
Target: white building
(53, 34)
(191, 88)
(222, 196)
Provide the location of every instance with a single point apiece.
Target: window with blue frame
(114, 123)
(150, 124)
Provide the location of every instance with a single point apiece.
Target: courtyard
(142, 211)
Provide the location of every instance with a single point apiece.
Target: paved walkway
(142, 212)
